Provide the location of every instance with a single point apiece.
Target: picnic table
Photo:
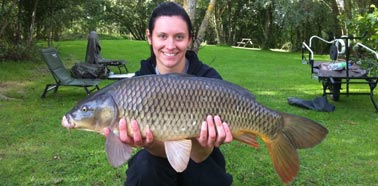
(246, 41)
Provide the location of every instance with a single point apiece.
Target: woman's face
(169, 40)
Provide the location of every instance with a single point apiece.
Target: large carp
(174, 106)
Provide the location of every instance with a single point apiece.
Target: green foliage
(15, 52)
(302, 19)
(36, 150)
(270, 24)
(366, 22)
(371, 65)
(130, 16)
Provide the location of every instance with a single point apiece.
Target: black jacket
(196, 67)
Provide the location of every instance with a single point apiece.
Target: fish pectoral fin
(178, 153)
(117, 152)
(248, 138)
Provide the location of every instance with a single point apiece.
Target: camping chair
(93, 54)
(62, 77)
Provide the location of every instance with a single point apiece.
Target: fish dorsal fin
(247, 138)
(178, 153)
(116, 151)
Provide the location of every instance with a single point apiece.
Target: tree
(7, 9)
(130, 16)
(231, 21)
(266, 10)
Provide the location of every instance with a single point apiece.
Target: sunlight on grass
(14, 89)
(270, 93)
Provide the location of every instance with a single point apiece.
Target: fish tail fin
(303, 132)
(297, 133)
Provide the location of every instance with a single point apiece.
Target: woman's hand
(213, 133)
(134, 140)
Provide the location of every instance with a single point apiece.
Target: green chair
(62, 77)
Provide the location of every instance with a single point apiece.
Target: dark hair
(169, 9)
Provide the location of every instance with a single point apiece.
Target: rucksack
(89, 71)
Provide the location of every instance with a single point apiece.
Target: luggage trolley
(337, 72)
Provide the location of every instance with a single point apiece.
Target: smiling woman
(169, 35)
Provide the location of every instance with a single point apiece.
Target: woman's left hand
(214, 132)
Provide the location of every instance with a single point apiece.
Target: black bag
(318, 104)
(89, 71)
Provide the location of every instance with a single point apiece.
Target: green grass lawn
(36, 150)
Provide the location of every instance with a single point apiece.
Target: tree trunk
(218, 24)
(233, 20)
(232, 25)
(50, 13)
(32, 22)
(267, 26)
(190, 7)
(219, 30)
(337, 30)
(348, 14)
(18, 31)
(348, 9)
(202, 30)
(4, 26)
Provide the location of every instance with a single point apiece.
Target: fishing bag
(89, 71)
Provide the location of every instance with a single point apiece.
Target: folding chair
(93, 54)
(62, 77)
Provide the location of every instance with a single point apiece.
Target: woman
(169, 34)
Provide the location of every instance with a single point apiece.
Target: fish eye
(84, 108)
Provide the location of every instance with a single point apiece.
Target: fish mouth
(66, 122)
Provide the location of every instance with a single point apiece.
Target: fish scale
(174, 106)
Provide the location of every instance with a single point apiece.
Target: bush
(17, 52)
